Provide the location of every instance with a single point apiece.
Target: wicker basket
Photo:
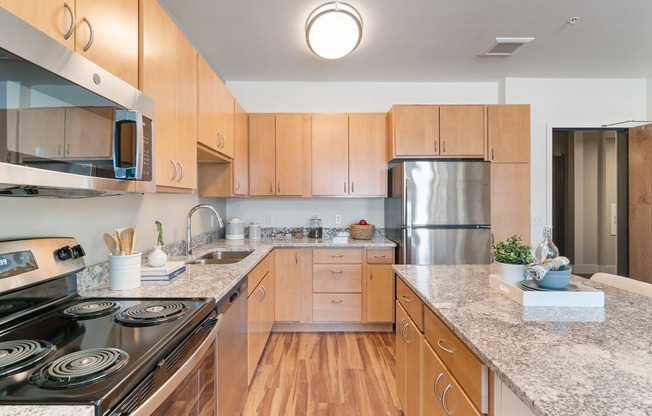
(363, 232)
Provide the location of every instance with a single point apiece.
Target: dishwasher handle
(235, 295)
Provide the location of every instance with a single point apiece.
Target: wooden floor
(337, 373)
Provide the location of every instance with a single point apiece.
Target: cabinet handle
(237, 184)
(435, 385)
(59, 150)
(92, 37)
(352, 187)
(67, 149)
(493, 153)
(444, 147)
(436, 147)
(443, 400)
(182, 171)
(405, 332)
(296, 258)
(444, 348)
(174, 173)
(400, 329)
(73, 21)
(371, 275)
(278, 188)
(337, 272)
(337, 300)
(263, 294)
(379, 257)
(406, 298)
(344, 187)
(337, 255)
(271, 188)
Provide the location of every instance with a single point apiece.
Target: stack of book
(170, 270)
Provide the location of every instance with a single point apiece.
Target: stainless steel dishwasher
(232, 352)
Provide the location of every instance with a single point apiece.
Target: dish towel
(537, 271)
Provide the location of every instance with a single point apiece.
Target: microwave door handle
(137, 118)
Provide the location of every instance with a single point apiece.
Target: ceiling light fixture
(333, 30)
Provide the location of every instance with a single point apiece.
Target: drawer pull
(443, 400)
(337, 300)
(439, 344)
(406, 298)
(380, 257)
(337, 256)
(337, 271)
(435, 385)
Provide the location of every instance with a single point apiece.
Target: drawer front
(336, 307)
(463, 364)
(384, 256)
(336, 278)
(338, 256)
(258, 273)
(411, 302)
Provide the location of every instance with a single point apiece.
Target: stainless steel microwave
(68, 128)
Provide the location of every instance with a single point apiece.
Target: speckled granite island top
(217, 280)
(559, 361)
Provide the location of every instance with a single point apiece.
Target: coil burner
(152, 313)
(90, 309)
(80, 368)
(16, 356)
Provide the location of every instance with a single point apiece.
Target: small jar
(316, 230)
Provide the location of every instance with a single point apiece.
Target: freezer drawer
(446, 246)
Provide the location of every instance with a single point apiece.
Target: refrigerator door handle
(406, 207)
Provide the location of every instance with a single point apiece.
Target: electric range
(57, 348)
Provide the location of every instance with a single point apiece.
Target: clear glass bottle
(546, 249)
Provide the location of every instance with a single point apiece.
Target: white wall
(569, 103)
(88, 219)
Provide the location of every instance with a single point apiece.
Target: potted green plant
(157, 256)
(513, 256)
(298, 232)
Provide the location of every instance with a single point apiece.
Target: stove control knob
(64, 253)
(78, 251)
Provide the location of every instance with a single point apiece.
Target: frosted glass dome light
(333, 30)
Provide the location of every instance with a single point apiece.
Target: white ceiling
(424, 40)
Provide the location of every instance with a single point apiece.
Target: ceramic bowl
(556, 279)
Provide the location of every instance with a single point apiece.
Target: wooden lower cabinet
(337, 307)
(260, 318)
(293, 276)
(379, 285)
(408, 362)
(440, 392)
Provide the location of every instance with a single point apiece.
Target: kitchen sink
(223, 257)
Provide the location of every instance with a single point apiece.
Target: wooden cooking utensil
(121, 249)
(127, 239)
(111, 244)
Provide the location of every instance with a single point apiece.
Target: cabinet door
(51, 17)
(254, 330)
(225, 119)
(292, 148)
(288, 285)
(412, 369)
(241, 152)
(380, 293)
(185, 82)
(461, 130)
(207, 105)
(433, 385)
(262, 154)
(114, 35)
(367, 149)
(88, 132)
(416, 130)
(267, 308)
(41, 132)
(330, 154)
(401, 356)
(510, 200)
(508, 133)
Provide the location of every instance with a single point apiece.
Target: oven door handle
(155, 400)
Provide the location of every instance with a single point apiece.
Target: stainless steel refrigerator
(438, 212)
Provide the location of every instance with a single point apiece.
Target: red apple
(363, 222)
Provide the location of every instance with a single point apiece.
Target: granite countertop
(217, 280)
(557, 360)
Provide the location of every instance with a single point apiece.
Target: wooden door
(292, 148)
(461, 130)
(254, 339)
(262, 154)
(401, 356)
(416, 130)
(185, 83)
(157, 80)
(89, 132)
(51, 17)
(114, 35)
(41, 132)
(207, 105)
(288, 285)
(241, 152)
(508, 133)
(367, 148)
(225, 119)
(380, 293)
(330, 154)
(434, 373)
(267, 309)
(640, 209)
(510, 200)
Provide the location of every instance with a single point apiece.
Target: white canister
(254, 231)
(157, 257)
(235, 229)
(124, 271)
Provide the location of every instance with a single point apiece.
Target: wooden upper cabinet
(262, 154)
(330, 154)
(415, 131)
(461, 130)
(508, 133)
(367, 165)
(293, 154)
(216, 107)
(225, 120)
(510, 200)
(104, 31)
(241, 152)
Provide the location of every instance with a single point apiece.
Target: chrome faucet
(220, 222)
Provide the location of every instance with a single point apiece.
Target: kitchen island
(558, 361)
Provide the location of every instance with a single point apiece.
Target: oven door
(192, 389)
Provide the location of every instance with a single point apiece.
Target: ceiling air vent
(504, 46)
